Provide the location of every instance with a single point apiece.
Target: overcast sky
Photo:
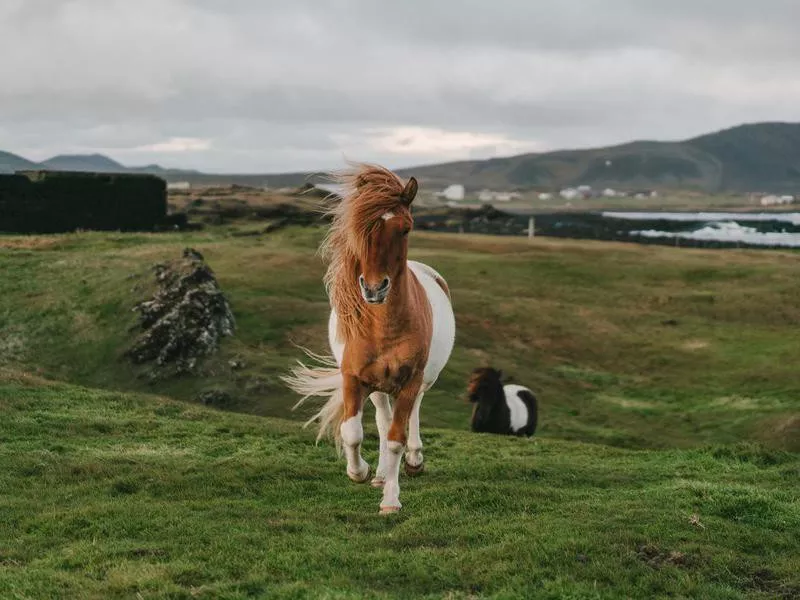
(266, 86)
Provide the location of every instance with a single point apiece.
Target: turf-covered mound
(52, 202)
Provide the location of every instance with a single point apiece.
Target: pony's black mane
(491, 414)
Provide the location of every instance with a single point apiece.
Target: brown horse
(391, 328)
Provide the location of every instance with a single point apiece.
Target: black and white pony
(505, 409)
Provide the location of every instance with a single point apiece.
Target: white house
(492, 196)
(486, 195)
(454, 192)
(179, 185)
(570, 194)
(610, 193)
(772, 200)
(545, 196)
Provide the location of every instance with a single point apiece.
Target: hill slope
(665, 464)
(762, 156)
(11, 162)
(109, 495)
(633, 346)
(84, 162)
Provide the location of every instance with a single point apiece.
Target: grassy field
(666, 463)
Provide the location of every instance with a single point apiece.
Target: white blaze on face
(388, 215)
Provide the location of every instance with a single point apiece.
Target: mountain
(750, 157)
(11, 162)
(761, 156)
(84, 162)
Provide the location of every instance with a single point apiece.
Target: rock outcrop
(185, 320)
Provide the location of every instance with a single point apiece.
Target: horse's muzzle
(375, 294)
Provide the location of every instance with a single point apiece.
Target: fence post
(530, 228)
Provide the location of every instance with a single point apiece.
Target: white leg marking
(391, 489)
(352, 436)
(414, 452)
(383, 419)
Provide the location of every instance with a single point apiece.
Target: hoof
(389, 510)
(377, 482)
(360, 477)
(412, 471)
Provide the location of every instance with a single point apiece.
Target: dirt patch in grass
(657, 557)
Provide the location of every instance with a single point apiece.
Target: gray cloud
(265, 86)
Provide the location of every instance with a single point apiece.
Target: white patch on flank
(519, 412)
(388, 215)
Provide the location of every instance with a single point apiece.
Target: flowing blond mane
(369, 191)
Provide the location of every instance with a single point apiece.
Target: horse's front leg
(352, 431)
(383, 419)
(414, 464)
(404, 405)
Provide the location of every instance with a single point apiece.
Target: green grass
(111, 495)
(666, 463)
(628, 345)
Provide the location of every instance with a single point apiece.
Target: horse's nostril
(384, 283)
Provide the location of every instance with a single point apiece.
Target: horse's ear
(409, 192)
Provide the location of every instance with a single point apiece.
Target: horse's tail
(324, 380)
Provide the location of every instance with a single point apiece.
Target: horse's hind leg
(383, 419)
(414, 464)
(352, 431)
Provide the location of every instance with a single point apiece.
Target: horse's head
(386, 250)
(484, 384)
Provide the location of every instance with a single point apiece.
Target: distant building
(453, 192)
(485, 195)
(773, 200)
(492, 196)
(610, 193)
(179, 186)
(570, 194)
(545, 196)
(458, 204)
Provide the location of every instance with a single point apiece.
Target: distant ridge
(11, 162)
(84, 162)
(750, 157)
